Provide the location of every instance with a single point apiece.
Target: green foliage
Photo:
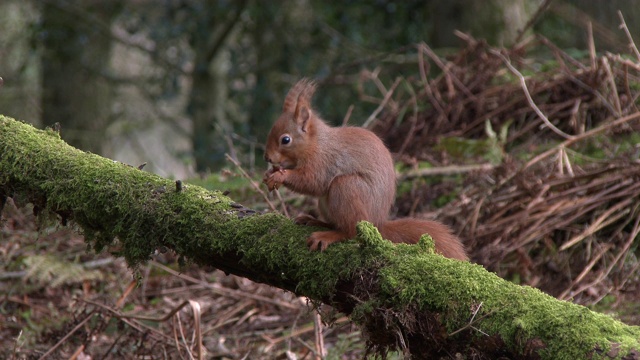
(350, 342)
(605, 147)
(444, 199)
(235, 184)
(490, 149)
(223, 180)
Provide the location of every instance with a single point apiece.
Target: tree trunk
(403, 296)
(208, 96)
(497, 21)
(271, 53)
(206, 109)
(77, 47)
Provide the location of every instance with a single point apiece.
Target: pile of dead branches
(567, 233)
(563, 219)
(482, 84)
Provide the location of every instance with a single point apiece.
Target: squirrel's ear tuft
(302, 90)
(307, 89)
(298, 102)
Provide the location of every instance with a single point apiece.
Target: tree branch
(403, 296)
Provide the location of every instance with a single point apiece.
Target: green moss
(427, 244)
(517, 313)
(107, 199)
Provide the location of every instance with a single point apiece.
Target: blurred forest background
(174, 83)
(177, 84)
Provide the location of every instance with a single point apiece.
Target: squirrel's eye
(285, 140)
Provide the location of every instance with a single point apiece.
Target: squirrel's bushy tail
(410, 230)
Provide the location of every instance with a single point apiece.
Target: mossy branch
(404, 297)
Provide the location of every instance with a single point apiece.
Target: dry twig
(533, 105)
(254, 184)
(632, 44)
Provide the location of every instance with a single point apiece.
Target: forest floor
(60, 301)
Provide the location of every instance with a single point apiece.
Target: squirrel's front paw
(274, 178)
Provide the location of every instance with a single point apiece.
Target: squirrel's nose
(266, 158)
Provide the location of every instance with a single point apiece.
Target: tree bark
(403, 296)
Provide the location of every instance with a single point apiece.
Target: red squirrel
(349, 170)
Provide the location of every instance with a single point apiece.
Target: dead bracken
(570, 209)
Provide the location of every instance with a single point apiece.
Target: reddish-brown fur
(349, 170)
